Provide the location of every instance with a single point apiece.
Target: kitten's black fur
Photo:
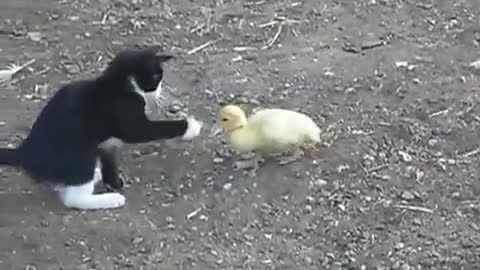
(64, 142)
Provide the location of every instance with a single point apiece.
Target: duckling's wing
(286, 127)
(275, 128)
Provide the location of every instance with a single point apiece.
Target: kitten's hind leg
(82, 197)
(109, 168)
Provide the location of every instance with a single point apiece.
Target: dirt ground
(397, 189)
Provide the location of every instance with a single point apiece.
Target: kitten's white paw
(113, 200)
(193, 129)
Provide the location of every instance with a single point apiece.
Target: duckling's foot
(308, 151)
(296, 155)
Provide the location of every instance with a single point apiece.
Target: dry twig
(201, 47)
(442, 112)
(280, 21)
(414, 208)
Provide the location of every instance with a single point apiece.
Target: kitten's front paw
(114, 182)
(193, 129)
(113, 200)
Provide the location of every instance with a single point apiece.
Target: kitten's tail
(9, 156)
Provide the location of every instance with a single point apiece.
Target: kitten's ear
(164, 57)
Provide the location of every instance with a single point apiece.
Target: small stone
(401, 64)
(44, 223)
(308, 260)
(34, 36)
(308, 208)
(249, 237)
(227, 186)
(72, 69)
(329, 74)
(408, 196)
(319, 183)
(475, 226)
(399, 245)
(217, 160)
(416, 81)
(254, 101)
(237, 58)
(208, 93)
(137, 240)
(432, 142)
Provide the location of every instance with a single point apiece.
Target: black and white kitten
(73, 141)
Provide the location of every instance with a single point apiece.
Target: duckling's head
(232, 117)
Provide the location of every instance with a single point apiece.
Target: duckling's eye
(224, 119)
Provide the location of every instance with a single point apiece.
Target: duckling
(268, 131)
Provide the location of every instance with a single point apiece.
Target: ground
(395, 186)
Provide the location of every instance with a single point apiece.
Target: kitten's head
(142, 68)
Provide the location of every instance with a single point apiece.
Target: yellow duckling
(268, 130)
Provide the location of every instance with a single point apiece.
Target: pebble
(34, 36)
(44, 223)
(217, 160)
(254, 101)
(399, 245)
(137, 240)
(407, 195)
(432, 142)
(319, 183)
(417, 221)
(308, 260)
(227, 186)
(401, 64)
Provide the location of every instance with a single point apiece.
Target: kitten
(74, 140)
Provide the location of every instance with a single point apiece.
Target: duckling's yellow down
(267, 130)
